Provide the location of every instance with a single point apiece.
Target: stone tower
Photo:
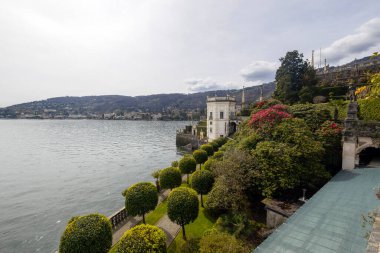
(221, 113)
(243, 99)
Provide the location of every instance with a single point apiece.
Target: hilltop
(174, 106)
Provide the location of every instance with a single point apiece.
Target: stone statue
(351, 90)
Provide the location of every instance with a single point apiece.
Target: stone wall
(374, 238)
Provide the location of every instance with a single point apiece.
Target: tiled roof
(331, 221)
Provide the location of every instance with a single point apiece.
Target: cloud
(207, 84)
(360, 43)
(259, 71)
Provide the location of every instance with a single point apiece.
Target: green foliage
(200, 156)
(238, 225)
(330, 134)
(91, 233)
(201, 181)
(250, 142)
(375, 89)
(275, 167)
(174, 164)
(292, 159)
(183, 206)
(191, 246)
(221, 141)
(170, 178)
(234, 177)
(141, 239)
(313, 116)
(369, 109)
(218, 155)
(187, 165)
(214, 145)
(208, 148)
(156, 174)
(220, 199)
(294, 78)
(218, 242)
(141, 198)
(208, 164)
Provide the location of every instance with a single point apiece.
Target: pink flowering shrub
(330, 129)
(265, 104)
(266, 119)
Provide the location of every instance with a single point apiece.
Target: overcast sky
(51, 48)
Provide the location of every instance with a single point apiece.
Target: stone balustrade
(118, 217)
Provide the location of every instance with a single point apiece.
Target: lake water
(51, 170)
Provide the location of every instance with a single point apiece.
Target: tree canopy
(170, 178)
(201, 181)
(87, 234)
(218, 242)
(187, 165)
(295, 79)
(141, 198)
(200, 156)
(141, 239)
(208, 148)
(183, 206)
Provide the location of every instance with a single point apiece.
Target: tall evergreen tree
(295, 79)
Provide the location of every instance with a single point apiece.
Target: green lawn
(193, 230)
(150, 218)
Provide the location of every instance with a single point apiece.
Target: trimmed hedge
(369, 109)
(141, 239)
(200, 156)
(90, 233)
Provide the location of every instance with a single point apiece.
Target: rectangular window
(210, 122)
(221, 115)
(210, 129)
(210, 115)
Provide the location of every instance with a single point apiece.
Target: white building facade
(221, 113)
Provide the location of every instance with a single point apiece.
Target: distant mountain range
(159, 103)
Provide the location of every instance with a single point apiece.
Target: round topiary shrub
(141, 198)
(170, 178)
(183, 206)
(200, 156)
(202, 181)
(91, 233)
(214, 145)
(187, 165)
(141, 239)
(208, 148)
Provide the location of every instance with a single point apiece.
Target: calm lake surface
(51, 170)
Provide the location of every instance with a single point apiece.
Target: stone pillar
(349, 158)
(348, 155)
